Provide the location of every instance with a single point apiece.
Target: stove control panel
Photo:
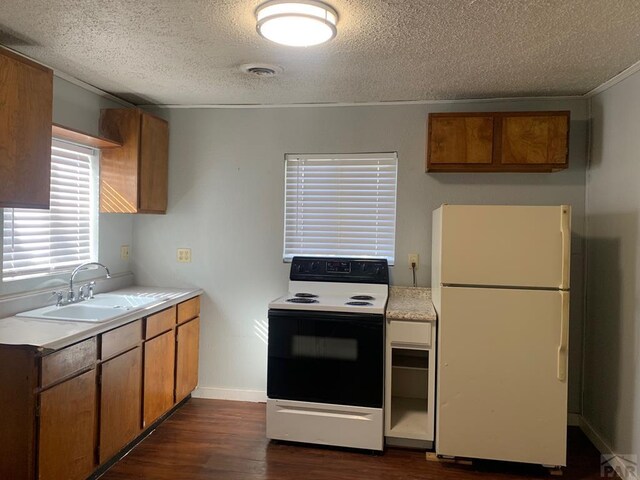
(336, 266)
(348, 270)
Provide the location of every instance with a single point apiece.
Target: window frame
(94, 162)
(389, 155)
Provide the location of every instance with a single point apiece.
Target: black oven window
(325, 348)
(326, 357)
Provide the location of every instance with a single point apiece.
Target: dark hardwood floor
(215, 439)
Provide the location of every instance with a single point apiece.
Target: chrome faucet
(71, 296)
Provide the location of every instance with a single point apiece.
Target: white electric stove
(325, 372)
(333, 297)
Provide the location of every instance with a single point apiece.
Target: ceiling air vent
(261, 69)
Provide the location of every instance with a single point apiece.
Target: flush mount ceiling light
(297, 24)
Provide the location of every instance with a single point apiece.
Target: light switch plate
(184, 255)
(124, 252)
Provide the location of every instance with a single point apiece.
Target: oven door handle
(359, 319)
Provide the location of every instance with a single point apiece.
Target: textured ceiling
(188, 51)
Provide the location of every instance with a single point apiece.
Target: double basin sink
(101, 308)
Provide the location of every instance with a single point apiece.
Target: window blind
(38, 242)
(340, 205)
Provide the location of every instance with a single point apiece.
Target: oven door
(326, 357)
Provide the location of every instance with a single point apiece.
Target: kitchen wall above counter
(226, 180)
(226, 204)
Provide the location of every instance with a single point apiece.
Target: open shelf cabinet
(410, 380)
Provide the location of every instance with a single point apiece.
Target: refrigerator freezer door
(501, 392)
(491, 245)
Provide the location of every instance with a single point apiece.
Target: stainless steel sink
(99, 309)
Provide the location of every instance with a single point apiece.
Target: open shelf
(409, 385)
(409, 418)
(404, 358)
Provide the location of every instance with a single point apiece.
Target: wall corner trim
(627, 72)
(605, 449)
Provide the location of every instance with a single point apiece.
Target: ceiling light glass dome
(296, 24)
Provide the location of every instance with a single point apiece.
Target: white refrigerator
(500, 285)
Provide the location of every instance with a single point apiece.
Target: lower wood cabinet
(120, 402)
(159, 365)
(72, 410)
(66, 441)
(187, 341)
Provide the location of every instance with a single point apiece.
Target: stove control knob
(315, 266)
(363, 267)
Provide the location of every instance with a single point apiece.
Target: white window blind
(39, 242)
(340, 205)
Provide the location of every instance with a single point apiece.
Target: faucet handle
(59, 298)
(85, 292)
(90, 287)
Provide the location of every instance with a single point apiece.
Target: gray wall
(78, 108)
(612, 341)
(226, 204)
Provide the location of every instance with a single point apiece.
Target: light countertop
(410, 303)
(49, 335)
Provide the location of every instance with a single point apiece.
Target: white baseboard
(616, 462)
(230, 394)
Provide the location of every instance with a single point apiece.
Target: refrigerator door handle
(565, 231)
(564, 338)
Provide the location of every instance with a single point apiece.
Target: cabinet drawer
(67, 361)
(121, 339)
(160, 322)
(409, 333)
(188, 310)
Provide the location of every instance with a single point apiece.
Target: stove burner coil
(306, 295)
(360, 304)
(302, 300)
(362, 297)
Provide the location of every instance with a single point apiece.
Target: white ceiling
(188, 51)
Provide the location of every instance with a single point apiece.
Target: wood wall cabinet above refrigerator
(134, 177)
(498, 142)
(26, 99)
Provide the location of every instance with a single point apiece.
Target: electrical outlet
(414, 258)
(124, 252)
(184, 255)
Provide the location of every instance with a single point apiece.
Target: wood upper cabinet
(134, 177)
(530, 139)
(26, 99)
(187, 349)
(467, 140)
(66, 442)
(498, 142)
